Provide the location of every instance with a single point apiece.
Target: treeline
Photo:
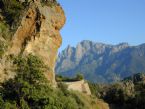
(60, 78)
(127, 94)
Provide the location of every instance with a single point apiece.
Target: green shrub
(60, 78)
(49, 2)
(79, 77)
(4, 31)
(31, 90)
(96, 89)
(3, 47)
(128, 94)
(12, 10)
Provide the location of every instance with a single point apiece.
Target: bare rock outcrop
(80, 86)
(38, 34)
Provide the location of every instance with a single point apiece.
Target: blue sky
(107, 21)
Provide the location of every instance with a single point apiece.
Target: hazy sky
(107, 21)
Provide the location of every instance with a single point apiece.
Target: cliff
(35, 31)
(29, 40)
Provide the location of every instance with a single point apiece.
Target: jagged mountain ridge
(100, 62)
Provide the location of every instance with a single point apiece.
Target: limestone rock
(38, 34)
(80, 86)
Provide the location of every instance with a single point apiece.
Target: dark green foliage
(12, 10)
(96, 89)
(139, 77)
(63, 87)
(116, 94)
(49, 2)
(3, 47)
(118, 97)
(30, 69)
(4, 31)
(127, 94)
(78, 77)
(5, 36)
(31, 90)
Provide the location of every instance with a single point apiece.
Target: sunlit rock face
(38, 34)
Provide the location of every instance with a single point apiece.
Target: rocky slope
(35, 32)
(100, 62)
(127, 94)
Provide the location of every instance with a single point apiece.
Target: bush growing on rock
(31, 90)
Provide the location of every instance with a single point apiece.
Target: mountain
(102, 63)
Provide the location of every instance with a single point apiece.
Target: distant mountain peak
(123, 44)
(101, 62)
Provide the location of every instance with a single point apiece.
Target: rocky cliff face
(37, 34)
(100, 62)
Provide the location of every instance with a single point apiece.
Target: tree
(31, 90)
(79, 77)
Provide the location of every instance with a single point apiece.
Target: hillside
(126, 94)
(29, 41)
(100, 62)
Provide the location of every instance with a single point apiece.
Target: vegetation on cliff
(60, 78)
(12, 10)
(31, 90)
(26, 80)
(49, 2)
